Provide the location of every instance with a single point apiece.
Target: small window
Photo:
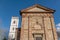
(13, 39)
(13, 28)
(12, 35)
(14, 22)
(38, 38)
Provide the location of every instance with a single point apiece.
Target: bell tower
(38, 23)
(13, 26)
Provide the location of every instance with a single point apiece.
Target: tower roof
(37, 8)
(15, 17)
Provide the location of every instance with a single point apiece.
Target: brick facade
(38, 21)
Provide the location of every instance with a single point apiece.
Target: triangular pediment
(37, 8)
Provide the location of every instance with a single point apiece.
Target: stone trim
(44, 27)
(52, 28)
(28, 27)
(47, 15)
(38, 6)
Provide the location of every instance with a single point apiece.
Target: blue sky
(9, 8)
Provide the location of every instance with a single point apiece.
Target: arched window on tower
(13, 28)
(14, 22)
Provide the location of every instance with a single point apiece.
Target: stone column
(22, 30)
(54, 29)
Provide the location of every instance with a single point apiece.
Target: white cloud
(58, 29)
(58, 25)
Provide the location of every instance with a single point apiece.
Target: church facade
(37, 24)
